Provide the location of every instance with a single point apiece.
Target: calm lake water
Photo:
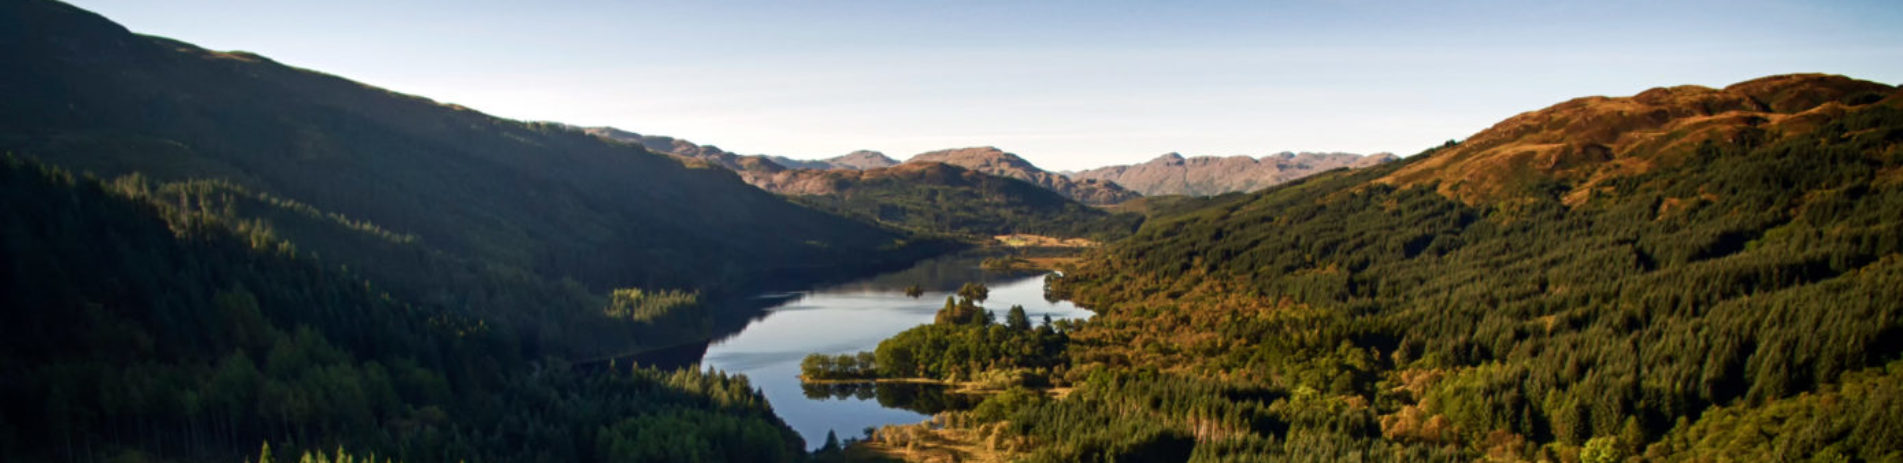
(854, 317)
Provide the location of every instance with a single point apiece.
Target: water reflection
(854, 317)
(924, 398)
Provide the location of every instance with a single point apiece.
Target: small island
(964, 348)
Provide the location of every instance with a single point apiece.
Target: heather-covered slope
(1587, 143)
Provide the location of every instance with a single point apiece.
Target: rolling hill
(1173, 174)
(137, 328)
(1687, 274)
(526, 224)
(861, 159)
(994, 161)
(783, 175)
(930, 197)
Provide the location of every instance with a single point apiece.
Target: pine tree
(832, 443)
(1017, 320)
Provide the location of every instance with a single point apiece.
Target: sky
(1065, 84)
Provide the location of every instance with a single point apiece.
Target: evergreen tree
(1017, 320)
(832, 443)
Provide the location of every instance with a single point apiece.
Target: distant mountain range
(1170, 174)
(780, 174)
(994, 161)
(1174, 174)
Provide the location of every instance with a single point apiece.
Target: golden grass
(1040, 241)
(1656, 127)
(939, 440)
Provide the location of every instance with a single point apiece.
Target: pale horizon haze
(1067, 85)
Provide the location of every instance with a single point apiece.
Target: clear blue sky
(1066, 84)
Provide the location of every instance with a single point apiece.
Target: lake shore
(956, 387)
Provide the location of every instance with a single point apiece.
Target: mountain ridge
(519, 206)
(933, 197)
(861, 159)
(1175, 174)
(783, 175)
(1590, 141)
(994, 161)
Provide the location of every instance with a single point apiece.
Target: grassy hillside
(1570, 284)
(941, 198)
(526, 224)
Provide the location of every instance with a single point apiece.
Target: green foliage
(1017, 320)
(832, 443)
(693, 435)
(1601, 450)
(964, 342)
(1857, 419)
(320, 456)
(525, 225)
(975, 292)
(862, 365)
(149, 330)
(1001, 406)
(939, 198)
(636, 304)
(1139, 415)
(1744, 274)
(962, 311)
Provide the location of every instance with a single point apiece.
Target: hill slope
(1524, 295)
(1173, 174)
(139, 329)
(997, 162)
(1588, 142)
(941, 198)
(857, 160)
(435, 200)
(669, 145)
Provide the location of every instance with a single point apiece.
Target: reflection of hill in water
(929, 399)
(730, 317)
(939, 274)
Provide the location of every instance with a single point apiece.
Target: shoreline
(956, 387)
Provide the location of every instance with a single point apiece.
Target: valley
(216, 256)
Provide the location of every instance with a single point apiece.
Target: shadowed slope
(91, 96)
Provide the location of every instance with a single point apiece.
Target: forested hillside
(1689, 274)
(434, 200)
(138, 328)
(994, 161)
(1174, 174)
(940, 198)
